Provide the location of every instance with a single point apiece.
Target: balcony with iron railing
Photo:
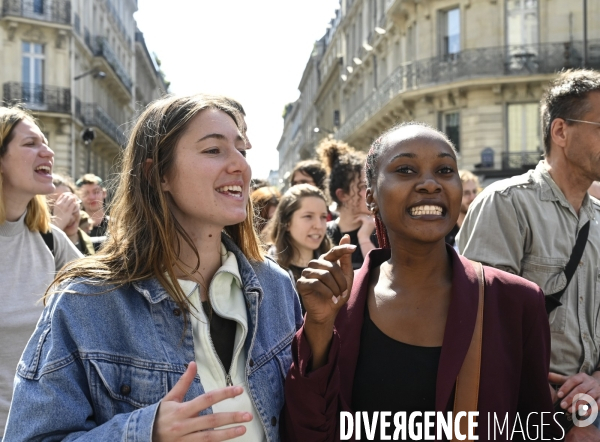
(470, 64)
(100, 47)
(91, 114)
(38, 97)
(114, 16)
(520, 160)
(55, 11)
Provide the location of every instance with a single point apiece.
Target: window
(450, 32)
(521, 22)
(522, 34)
(411, 44)
(348, 48)
(359, 33)
(451, 127)
(32, 76)
(523, 127)
(374, 15)
(38, 6)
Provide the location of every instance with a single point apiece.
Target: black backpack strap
(553, 300)
(48, 238)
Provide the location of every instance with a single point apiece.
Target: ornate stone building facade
(475, 69)
(77, 64)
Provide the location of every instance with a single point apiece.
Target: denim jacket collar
(154, 292)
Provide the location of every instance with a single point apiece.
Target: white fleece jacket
(227, 300)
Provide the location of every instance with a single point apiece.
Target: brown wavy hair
(144, 238)
(278, 226)
(263, 199)
(38, 215)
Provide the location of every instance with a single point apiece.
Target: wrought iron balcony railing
(91, 114)
(520, 160)
(38, 97)
(56, 11)
(103, 49)
(114, 15)
(546, 58)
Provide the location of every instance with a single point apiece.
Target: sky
(252, 50)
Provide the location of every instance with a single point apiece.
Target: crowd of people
(204, 305)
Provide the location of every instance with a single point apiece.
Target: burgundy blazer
(514, 362)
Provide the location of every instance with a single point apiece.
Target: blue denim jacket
(99, 361)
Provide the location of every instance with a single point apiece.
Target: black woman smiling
(394, 336)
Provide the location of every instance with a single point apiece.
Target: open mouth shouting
(427, 211)
(45, 170)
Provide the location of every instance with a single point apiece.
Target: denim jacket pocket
(122, 388)
(548, 274)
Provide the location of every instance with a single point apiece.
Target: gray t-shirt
(27, 268)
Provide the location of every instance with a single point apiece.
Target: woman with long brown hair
(298, 229)
(152, 338)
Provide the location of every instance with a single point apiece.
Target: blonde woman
(31, 249)
(152, 338)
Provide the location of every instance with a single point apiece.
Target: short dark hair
(372, 161)
(567, 98)
(313, 169)
(88, 178)
(378, 145)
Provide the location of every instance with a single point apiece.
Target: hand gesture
(571, 385)
(324, 286)
(367, 226)
(176, 419)
(585, 434)
(326, 283)
(65, 207)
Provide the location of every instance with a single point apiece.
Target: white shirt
(227, 300)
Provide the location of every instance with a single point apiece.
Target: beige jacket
(525, 225)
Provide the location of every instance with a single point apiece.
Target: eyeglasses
(582, 121)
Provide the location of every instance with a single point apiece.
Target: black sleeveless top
(393, 376)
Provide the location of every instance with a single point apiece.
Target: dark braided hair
(344, 164)
(371, 163)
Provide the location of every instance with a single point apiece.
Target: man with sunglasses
(535, 225)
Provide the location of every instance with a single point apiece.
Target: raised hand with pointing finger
(324, 287)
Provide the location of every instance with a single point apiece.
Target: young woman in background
(347, 189)
(298, 229)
